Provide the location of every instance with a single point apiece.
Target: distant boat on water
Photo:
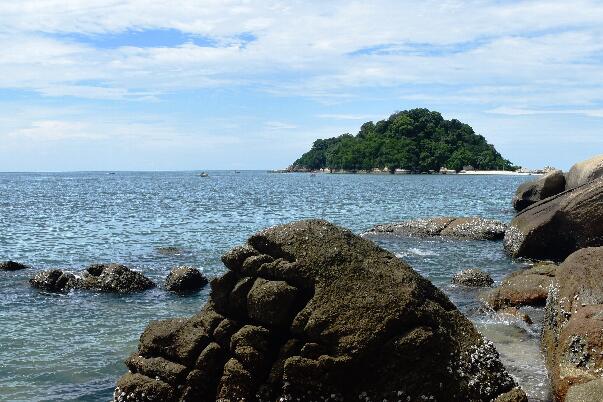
(203, 174)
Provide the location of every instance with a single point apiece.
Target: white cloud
(279, 125)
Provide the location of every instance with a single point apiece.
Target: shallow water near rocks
(72, 347)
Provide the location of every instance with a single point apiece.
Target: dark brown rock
(473, 278)
(554, 228)
(572, 339)
(527, 287)
(533, 191)
(334, 318)
(11, 266)
(585, 171)
(185, 280)
(54, 280)
(469, 228)
(114, 278)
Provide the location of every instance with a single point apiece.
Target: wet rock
(471, 228)
(527, 287)
(11, 266)
(473, 278)
(515, 395)
(555, 227)
(515, 313)
(587, 392)
(326, 315)
(54, 280)
(573, 324)
(585, 171)
(531, 192)
(169, 250)
(185, 280)
(114, 278)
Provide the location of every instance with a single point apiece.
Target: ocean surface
(72, 347)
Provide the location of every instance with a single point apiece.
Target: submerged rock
(533, 191)
(557, 226)
(572, 338)
(54, 280)
(169, 250)
(114, 278)
(473, 277)
(185, 280)
(471, 228)
(309, 311)
(585, 171)
(527, 287)
(11, 266)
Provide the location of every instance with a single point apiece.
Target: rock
(527, 287)
(573, 323)
(555, 227)
(472, 277)
(309, 311)
(185, 280)
(114, 278)
(515, 313)
(585, 171)
(54, 280)
(587, 392)
(11, 266)
(533, 191)
(168, 250)
(471, 228)
(515, 395)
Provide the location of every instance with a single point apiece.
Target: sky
(200, 85)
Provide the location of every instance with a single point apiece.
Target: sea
(71, 347)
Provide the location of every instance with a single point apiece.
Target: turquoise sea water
(71, 347)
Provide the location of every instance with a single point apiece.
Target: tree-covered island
(416, 140)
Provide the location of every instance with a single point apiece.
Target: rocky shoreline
(310, 311)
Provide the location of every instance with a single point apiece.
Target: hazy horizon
(247, 85)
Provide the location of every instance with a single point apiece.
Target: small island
(410, 141)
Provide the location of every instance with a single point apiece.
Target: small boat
(203, 174)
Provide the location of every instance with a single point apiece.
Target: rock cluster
(470, 228)
(572, 339)
(11, 266)
(473, 278)
(113, 278)
(537, 190)
(185, 280)
(309, 311)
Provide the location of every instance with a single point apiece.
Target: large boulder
(114, 278)
(527, 287)
(309, 311)
(11, 266)
(470, 228)
(54, 280)
(555, 227)
(185, 280)
(585, 171)
(533, 191)
(572, 338)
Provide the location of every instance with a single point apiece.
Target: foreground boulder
(55, 281)
(533, 191)
(527, 287)
(471, 228)
(572, 339)
(309, 311)
(11, 266)
(114, 278)
(472, 278)
(185, 280)
(554, 228)
(585, 171)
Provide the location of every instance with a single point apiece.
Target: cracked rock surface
(572, 338)
(470, 228)
(310, 311)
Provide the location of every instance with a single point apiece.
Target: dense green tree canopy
(418, 140)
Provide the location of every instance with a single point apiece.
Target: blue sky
(145, 85)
